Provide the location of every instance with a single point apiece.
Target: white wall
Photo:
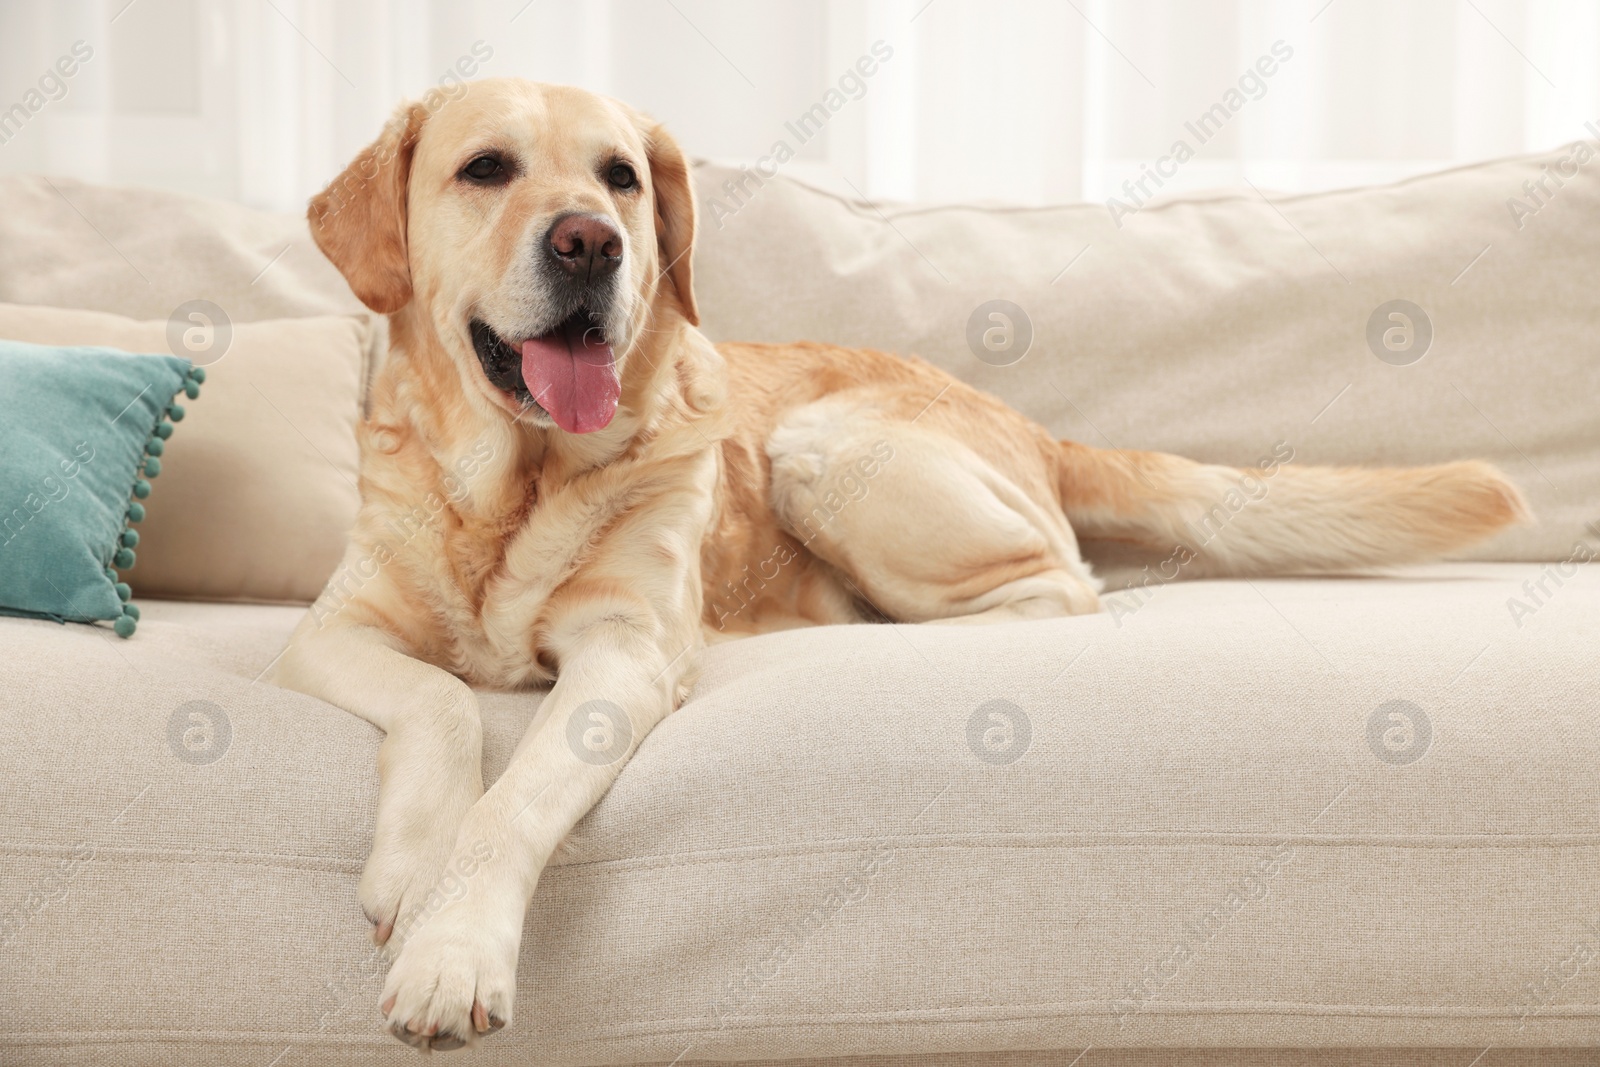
(1029, 100)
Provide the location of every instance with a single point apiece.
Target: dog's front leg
(430, 764)
(455, 977)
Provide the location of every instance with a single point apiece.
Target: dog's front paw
(400, 883)
(408, 873)
(453, 981)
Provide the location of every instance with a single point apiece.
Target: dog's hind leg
(922, 527)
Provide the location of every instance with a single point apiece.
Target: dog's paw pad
(451, 984)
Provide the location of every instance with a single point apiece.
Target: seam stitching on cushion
(1007, 1013)
(911, 208)
(988, 843)
(836, 848)
(142, 855)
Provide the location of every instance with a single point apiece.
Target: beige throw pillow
(258, 486)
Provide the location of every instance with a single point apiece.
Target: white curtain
(262, 101)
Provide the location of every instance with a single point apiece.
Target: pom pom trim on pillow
(123, 557)
(68, 511)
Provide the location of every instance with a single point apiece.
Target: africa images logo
(851, 85)
(1252, 85)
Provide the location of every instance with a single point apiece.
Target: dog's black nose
(585, 247)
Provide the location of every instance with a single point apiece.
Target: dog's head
(536, 229)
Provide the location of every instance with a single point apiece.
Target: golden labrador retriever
(563, 481)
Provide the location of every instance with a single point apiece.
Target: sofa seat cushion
(1204, 822)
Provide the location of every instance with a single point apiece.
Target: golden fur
(739, 488)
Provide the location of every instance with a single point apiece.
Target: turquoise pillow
(82, 431)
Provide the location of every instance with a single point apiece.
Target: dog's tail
(1279, 518)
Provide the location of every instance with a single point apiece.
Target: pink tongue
(572, 374)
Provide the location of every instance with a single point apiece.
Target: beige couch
(1294, 821)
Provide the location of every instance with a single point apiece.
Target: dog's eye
(486, 169)
(622, 176)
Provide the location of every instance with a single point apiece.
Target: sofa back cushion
(1444, 317)
(1216, 326)
(143, 252)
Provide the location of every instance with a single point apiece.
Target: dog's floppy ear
(674, 202)
(359, 220)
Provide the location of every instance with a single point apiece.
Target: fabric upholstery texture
(811, 859)
(1294, 822)
(79, 433)
(258, 490)
(1216, 327)
(176, 1054)
(142, 253)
